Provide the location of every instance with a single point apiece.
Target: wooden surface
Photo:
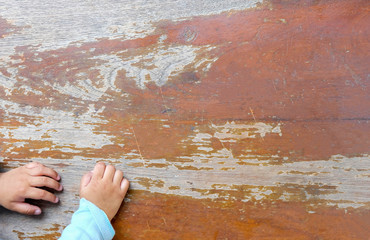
(231, 119)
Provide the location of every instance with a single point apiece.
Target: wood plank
(232, 120)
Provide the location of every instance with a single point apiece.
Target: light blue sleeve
(88, 222)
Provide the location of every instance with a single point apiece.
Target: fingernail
(37, 212)
(60, 188)
(58, 177)
(56, 200)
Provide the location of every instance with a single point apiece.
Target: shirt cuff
(100, 218)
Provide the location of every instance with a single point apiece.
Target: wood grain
(231, 119)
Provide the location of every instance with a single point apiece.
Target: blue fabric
(88, 222)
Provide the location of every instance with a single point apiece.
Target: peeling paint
(158, 66)
(63, 129)
(241, 131)
(232, 120)
(75, 24)
(332, 183)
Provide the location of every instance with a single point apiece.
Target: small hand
(105, 187)
(25, 182)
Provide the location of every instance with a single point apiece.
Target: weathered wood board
(231, 119)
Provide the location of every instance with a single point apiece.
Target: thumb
(85, 180)
(26, 208)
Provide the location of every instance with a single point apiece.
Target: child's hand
(105, 187)
(24, 182)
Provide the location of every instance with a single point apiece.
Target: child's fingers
(109, 172)
(45, 182)
(26, 208)
(118, 175)
(37, 169)
(124, 185)
(99, 170)
(40, 194)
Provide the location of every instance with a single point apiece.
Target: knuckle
(33, 164)
(43, 194)
(42, 168)
(22, 190)
(44, 181)
(28, 165)
(29, 210)
(38, 170)
(111, 167)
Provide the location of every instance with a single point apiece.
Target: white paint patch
(206, 149)
(57, 24)
(335, 182)
(233, 131)
(201, 138)
(159, 65)
(82, 89)
(63, 129)
(7, 83)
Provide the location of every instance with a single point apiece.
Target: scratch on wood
(250, 109)
(138, 147)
